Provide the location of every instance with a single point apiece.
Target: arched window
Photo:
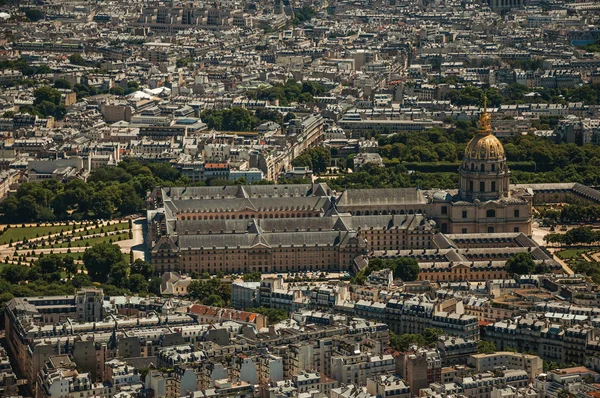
(490, 230)
(490, 213)
(493, 186)
(483, 167)
(493, 167)
(472, 166)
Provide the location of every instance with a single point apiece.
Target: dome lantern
(483, 173)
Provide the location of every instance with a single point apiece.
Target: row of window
(482, 167)
(490, 213)
(490, 230)
(451, 277)
(247, 216)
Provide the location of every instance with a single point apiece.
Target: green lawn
(90, 241)
(18, 234)
(112, 228)
(572, 254)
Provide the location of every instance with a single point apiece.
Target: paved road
(538, 234)
(137, 243)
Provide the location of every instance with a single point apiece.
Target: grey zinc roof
(245, 191)
(267, 224)
(304, 238)
(386, 196)
(256, 204)
(211, 226)
(215, 240)
(285, 239)
(302, 224)
(405, 221)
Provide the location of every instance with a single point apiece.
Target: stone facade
(290, 228)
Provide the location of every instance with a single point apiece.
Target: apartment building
(551, 342)
(60, 379)
(356, 369)
(532, 364)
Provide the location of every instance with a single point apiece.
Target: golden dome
(484, 147)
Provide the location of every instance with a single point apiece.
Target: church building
(485, 201)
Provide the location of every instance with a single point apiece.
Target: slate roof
(285, 239)
(386, 196)
(310, 203)
(302, 224)
(245, 191)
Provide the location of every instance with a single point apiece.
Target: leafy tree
(99, 259)
(77, 59)
(163, 171)
(289, 116)
(406, 269)
(520, 264)
(289, 92)
(62, 83)
(143, 268)
(304, 14)
(591, 269)
(50, 263)
(46, 93)
(203, 289)
(69, 265)
(14, 273)
(27, 208)
(34, 15)
(431, 335)
(232, 119)
(274, 315)
(592, 47)
(119, 274)
(402, 342)
(112, 290)
(117, 90)
(550, 365)
(580, 235)
(317, 159)
(252, 277)
(81, 280)
(137, 283)
(215, 300)
(154, 285)
(486, 347)
(265, 114)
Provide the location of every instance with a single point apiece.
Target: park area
(579, 248)
(24, 244)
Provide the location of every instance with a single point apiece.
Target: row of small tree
(580, 235)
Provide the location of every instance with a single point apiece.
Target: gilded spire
(485, 120)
